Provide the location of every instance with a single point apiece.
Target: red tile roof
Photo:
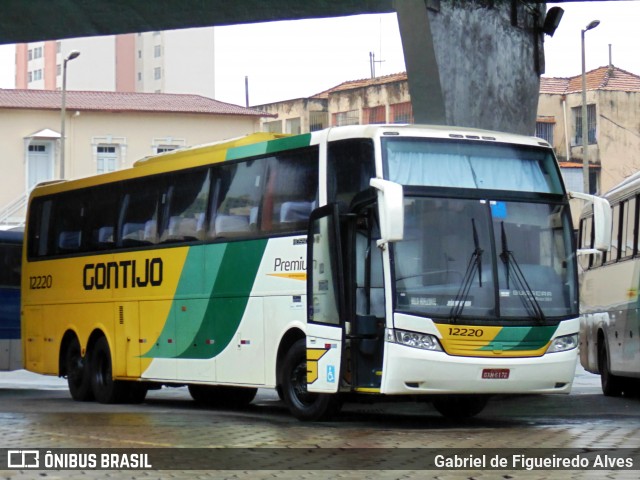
(603, 78)
(121, 102)
(365, 82)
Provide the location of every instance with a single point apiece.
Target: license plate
(495, 373)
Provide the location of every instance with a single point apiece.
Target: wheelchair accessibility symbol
(331, 374)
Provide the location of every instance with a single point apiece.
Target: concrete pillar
(473, 63)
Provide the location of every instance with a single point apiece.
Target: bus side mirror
(601, 222)
(391, 204)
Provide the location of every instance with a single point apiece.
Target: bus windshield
(470, 258)
(470, 164)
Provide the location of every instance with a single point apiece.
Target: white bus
(610, 304)
(358, 261)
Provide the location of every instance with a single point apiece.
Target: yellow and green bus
(406, 261)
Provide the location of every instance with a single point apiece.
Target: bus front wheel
(303, 404)
(77, 371)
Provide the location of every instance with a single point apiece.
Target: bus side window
(10, 258)
(69, 213)
(291, 191)
(237, 213)
(628, 224)
(612, 254)
(139, 213)
(101, 219)
(187, 206)
(39, 224)
(350, 168)
(586, 241)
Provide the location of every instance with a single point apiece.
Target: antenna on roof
(372, 56)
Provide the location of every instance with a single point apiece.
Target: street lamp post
(585, 136)
(73, 54)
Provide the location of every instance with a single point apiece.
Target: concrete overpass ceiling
(35, 20)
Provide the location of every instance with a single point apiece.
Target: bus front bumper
(414, 371)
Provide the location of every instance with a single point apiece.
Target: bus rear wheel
(105, 388)
(77, 371)
(303, 404)
(460, 406)
(222, 396)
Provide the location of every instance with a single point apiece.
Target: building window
(139, 76)
(106, 159)
(30, 55)
(58, 47)
(157, 73)
(37, 52)
(29, 77)
(292, 125)
(350, 117)
(58, 70)
(374, 115)
(401, 113)
(544, 130)
(591, 124)
(318, 121)
(157, 51)
(274, 126)
(139, 53)
(166, 148)
(37, 75)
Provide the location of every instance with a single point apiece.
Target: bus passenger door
(325, 301)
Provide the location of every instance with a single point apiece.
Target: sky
(294, 59)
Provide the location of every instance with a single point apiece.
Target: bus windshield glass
(470, 258)
(470, 164)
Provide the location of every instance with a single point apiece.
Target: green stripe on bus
(286, 143)
(521, 338)
(228, 300)
(206, 326)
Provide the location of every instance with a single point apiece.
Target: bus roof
(627, 186)
(261, 143)
(433, 131)
(11, 236)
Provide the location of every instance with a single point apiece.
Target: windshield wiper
(475, 264)
(511, 264)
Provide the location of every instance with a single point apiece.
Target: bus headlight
(564, 343)
(422, 341)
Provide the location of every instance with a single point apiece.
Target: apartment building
(173, 61)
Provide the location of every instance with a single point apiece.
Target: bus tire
(304, 405)
(77, 372)
(460, 406)
(611, 384)
(222, 396)
(105, 388)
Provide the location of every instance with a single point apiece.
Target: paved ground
(37, 412)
